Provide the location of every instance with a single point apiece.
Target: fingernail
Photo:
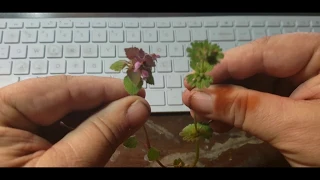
(201, 102)
(138, 112)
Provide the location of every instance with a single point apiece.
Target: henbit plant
(203, 57)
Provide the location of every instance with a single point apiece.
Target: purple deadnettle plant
(203, 57)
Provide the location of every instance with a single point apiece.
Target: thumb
(95, 140)
(261, 114)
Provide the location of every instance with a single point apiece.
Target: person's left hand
(31, 108)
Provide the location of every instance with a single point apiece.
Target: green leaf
(203, 57)
(131, 87)
(118, 65)
(190, 134)
(199, 80)
(135, 77)
(131, 142)
(153, 154)
(150, 80)
(204, 130)
(178, 163)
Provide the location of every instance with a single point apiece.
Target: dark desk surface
(232, 149)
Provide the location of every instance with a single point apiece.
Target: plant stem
(149, 144)
(197, 153)
(195, 123)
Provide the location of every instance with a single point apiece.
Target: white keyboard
(31, 48)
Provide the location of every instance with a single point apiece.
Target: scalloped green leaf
(153, 154)
(131, 142)
(118, 65)
(190, 134)
(131, 87)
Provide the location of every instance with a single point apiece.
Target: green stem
(195, 123)
(149, 144)
(197, 153)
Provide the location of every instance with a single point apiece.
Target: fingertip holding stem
(138, 112)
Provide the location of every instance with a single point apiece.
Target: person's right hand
(287, 112)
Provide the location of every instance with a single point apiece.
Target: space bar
(5, 81)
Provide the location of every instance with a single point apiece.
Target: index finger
(43, 101)
(280, 56)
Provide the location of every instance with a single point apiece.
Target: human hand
(30, 106)
(274, 94)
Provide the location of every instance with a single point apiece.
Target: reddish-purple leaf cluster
(141, 61)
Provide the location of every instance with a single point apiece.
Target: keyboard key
(21, 67)
(4, 51)
(222, 34)
(258, 33)
(181, 65)
(65, 24)
(75, 66)
(155, 98)
(274, 31)
(54, 51)
(174, 97)
(243, 35)
(46, 36)
(49, 24)
(159, 49)
(176, 50)
(107, 50)
(18, 51)
(71, 51)
(81, 35)
(15, 25)
(39, 67)
(158, 81)
(164, 65)
(273, 23)
(99, 35)
(29, 36)
(257, 23)
(150, 35)
(99, 24)
(94, 66)
(163, 24)
(133, 36)
(36, 51)
(116, 35)
(174, 81)
(82, 24)
(5, 67)
(183, 35)
(57, 66)
(64, 36)
(166, 36)
(7, 80)
(11, 36)
(89, 50)
(199, 34)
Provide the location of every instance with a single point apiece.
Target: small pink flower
(137, 65)
(145, 74)
(142, 62)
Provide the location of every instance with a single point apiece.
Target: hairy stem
(197, 153)
(195, 122)
(149, 144)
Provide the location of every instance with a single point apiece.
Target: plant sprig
(203, 57)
